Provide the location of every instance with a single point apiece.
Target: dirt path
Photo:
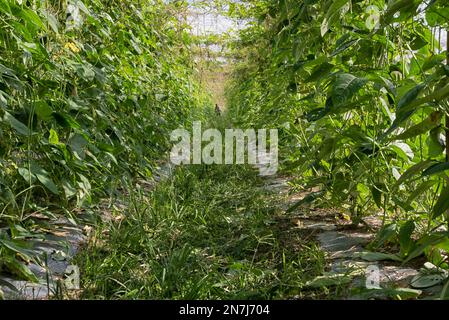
(355, 271)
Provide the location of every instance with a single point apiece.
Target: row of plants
(89, 92)
(359, 90)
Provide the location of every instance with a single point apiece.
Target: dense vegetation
(89, 92)
(360, 90)
(209, 232)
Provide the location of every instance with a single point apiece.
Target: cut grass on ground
(208, 232)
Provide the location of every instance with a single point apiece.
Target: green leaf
(418, 42)
(16, 124)
(18, 247)
(345, 87)
(421, 281)
(413, 170)
(65, 120)
(105, 147)
(442, 204)
(69, 190)
(376, 256)
(82, 7)
(332, 15)
(436, 168)
(53, 138)
(437, 15)
(43, 177)
(403, 150)
(377, 195)
(405, 237)
(390, 293)
(307, 199)
(43, 110)
(30, 16)
(410, 96)
(435, 142)
(428, 124)
(52, 21)
(423, 187)
(26, 174)
(426, 242)
(77, 144)
(387, 233)
(329, 280)
(320, 71)
(4, 7)
(433, 60)
(19, 269)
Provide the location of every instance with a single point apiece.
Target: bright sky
(205, 21)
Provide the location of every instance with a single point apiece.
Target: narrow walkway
(351, 268)
(225, 232)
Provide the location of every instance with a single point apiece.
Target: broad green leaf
(418, 42)
(65, 120)
(435, 142)
(44, 178)
(405, 237)
(43, 110)
(69, 190)
(428, 124)
(403, 150)
(426, 242)
(16, 124)
(387, 233)
(30, 16)
(52, 21)
(377, 196)
(77, 143)
(19, 269)
(421, 281)
(437, 15)
(320, 71)
(332, 15)
(409, 97)
(345, 87)
(423, 187)
(432, 61)
(405, 8)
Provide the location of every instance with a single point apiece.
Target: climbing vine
(360, 92)
(89, 91)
